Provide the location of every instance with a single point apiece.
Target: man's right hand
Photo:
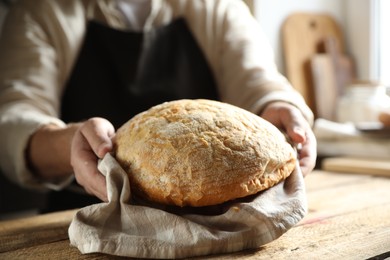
(91, 142)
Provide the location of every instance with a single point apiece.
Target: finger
(100, 193)
(306, 166)
(98, 133)
(295, 126)
(308, 154)
(84, 163)
(93, 182)
(289, 118)
(91, 179)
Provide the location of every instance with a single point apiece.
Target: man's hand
(91, 142)
(288, 118)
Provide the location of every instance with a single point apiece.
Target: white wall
(272, 13)
(354, 17)
(384, 42)
(361, 33)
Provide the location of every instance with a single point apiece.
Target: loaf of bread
(201, 153)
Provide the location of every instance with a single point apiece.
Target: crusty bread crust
(201, 152)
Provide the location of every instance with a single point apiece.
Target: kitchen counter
(349, 218)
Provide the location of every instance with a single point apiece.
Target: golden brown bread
(201, 153)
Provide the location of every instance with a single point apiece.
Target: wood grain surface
(349, 218)
(356, 165)
(27, 232)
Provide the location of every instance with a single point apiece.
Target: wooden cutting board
(329, 82)
(377, 167)
(301, 35)
(324, 82)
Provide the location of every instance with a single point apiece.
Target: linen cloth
(125, 229)
(345, 139)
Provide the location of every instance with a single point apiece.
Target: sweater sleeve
(35, 58)
(247, 72)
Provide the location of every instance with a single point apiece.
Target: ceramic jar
(362, 103)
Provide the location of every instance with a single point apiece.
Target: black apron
(118, 75)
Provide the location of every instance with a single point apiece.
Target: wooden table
(349, 218)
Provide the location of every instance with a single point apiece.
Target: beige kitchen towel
(123, 227)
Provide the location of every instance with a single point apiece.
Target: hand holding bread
(290, 120)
